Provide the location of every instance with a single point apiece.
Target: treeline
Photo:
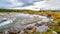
(17, 10)
(12, 10)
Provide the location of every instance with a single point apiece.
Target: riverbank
(25, 21)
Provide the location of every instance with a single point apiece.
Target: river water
(20, 20)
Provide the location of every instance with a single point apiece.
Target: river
(19, 20)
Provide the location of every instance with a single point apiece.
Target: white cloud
(15, 3)
(35, 6)
(45, 4)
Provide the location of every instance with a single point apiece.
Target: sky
(30, 4)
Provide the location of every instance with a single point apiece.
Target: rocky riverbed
(24, 21)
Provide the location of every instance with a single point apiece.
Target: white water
(23, 16)
(7, 22)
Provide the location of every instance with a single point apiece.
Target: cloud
(45, 5)
(30, 4)
(35, 6)
(10, 3)
(16, 3)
